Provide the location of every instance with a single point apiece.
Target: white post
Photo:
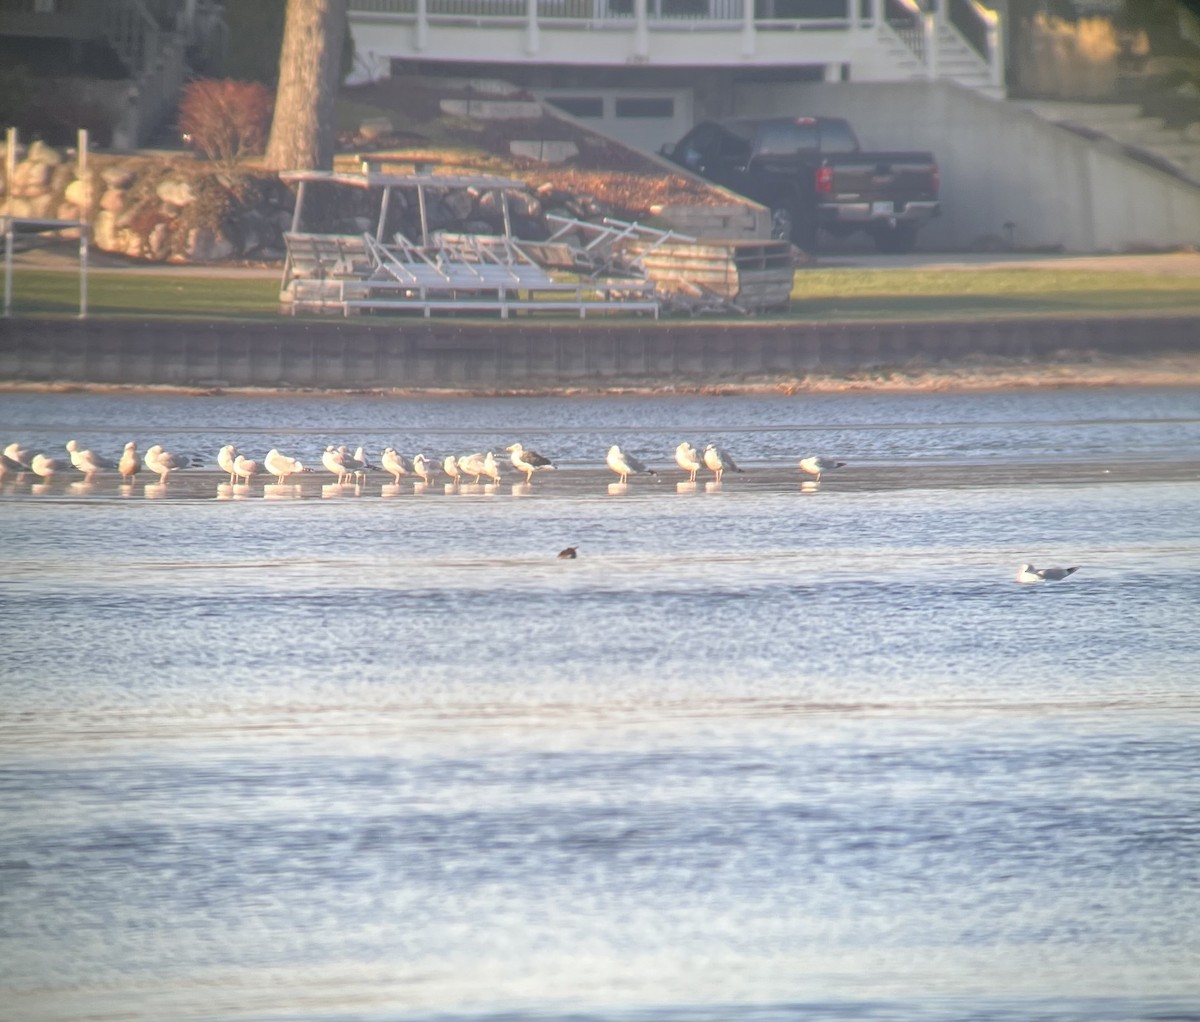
(995, 40)
(931, 59)
(749, 39)
(422, 29)
(641, 30)
(85, 227)
(10, 168)
(533, 38)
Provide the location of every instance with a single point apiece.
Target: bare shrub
(226, 120)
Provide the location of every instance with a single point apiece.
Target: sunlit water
(763, 752)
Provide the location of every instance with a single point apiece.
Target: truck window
(837, 137)
(785, 138)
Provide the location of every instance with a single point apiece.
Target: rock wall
(176, 208)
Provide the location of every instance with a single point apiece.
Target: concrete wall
(533, 355)
(1001, 164)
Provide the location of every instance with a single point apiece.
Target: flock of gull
(352, 468)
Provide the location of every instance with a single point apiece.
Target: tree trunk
(302, 132)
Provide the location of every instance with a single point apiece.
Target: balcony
(868, 40)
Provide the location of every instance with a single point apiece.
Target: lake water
(762, 752)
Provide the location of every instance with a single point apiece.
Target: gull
(396, 464)
(450, 467)
(244, 468)
(162, 462)
(625, 465)
(527, 461)
(718, 461)
(471, 465)
(335, 461)
(355, 464)
(43, 466)
(130, 462)
(569, 554)
(85, 461)
(1028, 573)
(19, 456)
(815, 466)
(225, 459)
(422, 467)
(688, 460)
(280, 465)
(490, 468)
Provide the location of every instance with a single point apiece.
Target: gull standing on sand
(335, 462)
(161, 462)
(450, 467)
(527, 461)
(1028, 573)
(43, 466)
(490, 468)
(87, 462)
(130, 462)
(815, 466)
(719, 461)
(281, 466)
(422, 468)
(225, 459)
(688, 460)
(395, 464)
(244, 468)
(19, 456)
(625, 465)
(471, 465)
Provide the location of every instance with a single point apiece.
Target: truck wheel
(896, 240)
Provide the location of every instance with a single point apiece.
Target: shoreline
(1165, 370)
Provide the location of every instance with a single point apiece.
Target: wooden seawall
(443, 353)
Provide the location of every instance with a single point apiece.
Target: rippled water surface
(764, 751)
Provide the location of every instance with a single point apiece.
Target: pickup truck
(811, 173)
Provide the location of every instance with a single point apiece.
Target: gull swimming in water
(719, 461)
(225, 459)
(280, 465)
(1028, 573)
(161, 462)
(244, 468)
(471, 465)
(87, 462)
(688, 460)
(625, 465)
(527, 461)
(395, 464)
(815, 466)
(450, 467)
(130, 462)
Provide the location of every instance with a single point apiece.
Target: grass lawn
(820, 295)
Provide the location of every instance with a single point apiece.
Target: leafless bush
(226, 120)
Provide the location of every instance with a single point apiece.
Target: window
(646, 106)
(580, 106)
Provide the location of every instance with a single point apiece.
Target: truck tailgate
(899, 177)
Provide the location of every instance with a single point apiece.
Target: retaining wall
(443, 354)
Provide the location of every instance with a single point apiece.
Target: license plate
(886, 208)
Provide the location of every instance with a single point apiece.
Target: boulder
(373, 128)
(176, 193)
(205, 246)
(30, 177)
(119, 176)
(113, 200)
(158, 244)
(80, 194)
(39, 152)
(104, 231)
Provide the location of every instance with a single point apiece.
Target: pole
(85, 226)
(10, 168)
